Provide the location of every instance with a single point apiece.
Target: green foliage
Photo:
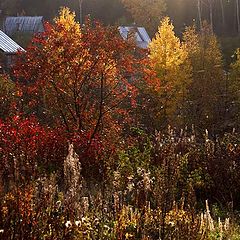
(233, 80)
(8, 96)
(136, 156)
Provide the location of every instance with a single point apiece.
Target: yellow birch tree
(170, 60)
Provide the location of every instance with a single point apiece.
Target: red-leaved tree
(79, 78)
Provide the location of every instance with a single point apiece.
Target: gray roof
(141, 36)
(23, 24)
(7, 45)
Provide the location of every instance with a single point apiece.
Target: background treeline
(223, 14)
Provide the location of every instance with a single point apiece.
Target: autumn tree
(147, 13)
(170, 60)
(78, 77)
(233, 90)
(206, 106)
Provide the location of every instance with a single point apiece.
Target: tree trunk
(238, 17)
(80, 12)
(211, 13)
(199, 13)
(223, 15)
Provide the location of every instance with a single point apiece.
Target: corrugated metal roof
(141, 35)
(7, 45)
(23, 24)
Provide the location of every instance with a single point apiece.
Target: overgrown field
(166, 186)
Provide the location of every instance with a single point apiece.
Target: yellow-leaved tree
(170, 60)
(207, 102)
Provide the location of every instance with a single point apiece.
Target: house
(23, 24)
(8, 51)
(141, 36)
